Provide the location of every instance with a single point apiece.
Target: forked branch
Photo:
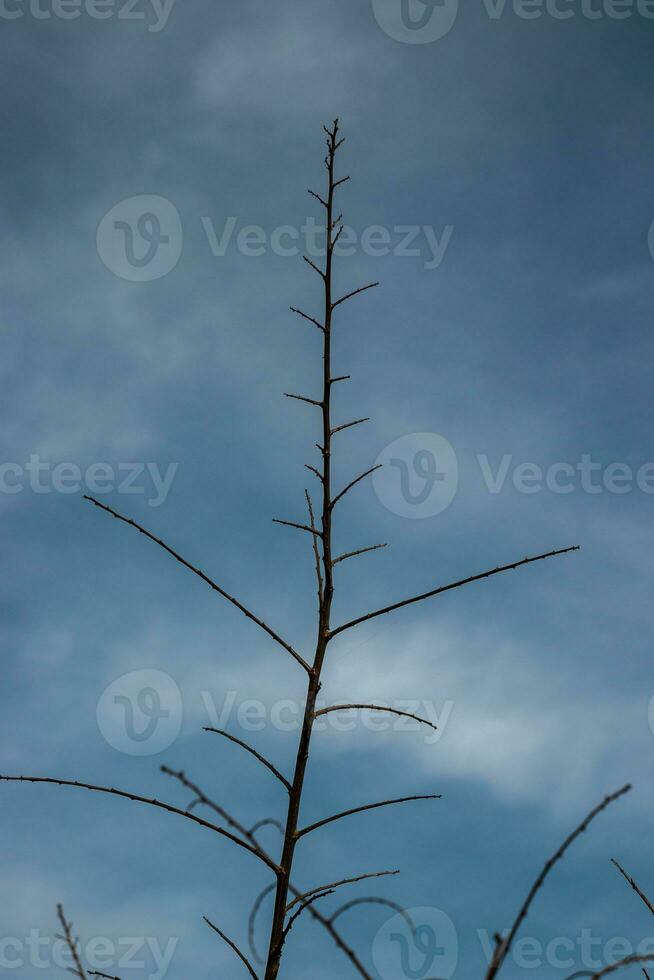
(339, 884)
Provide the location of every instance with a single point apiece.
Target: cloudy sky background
(532, 338)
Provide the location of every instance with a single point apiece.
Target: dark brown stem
(242, 957)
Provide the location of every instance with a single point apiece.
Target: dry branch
(362, 809)
(257, 755)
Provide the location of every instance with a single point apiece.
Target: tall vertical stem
(324, 612)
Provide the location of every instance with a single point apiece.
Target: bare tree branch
(316, 555)
(340, 495)
(149, 802)
(633, 884)
(374, 707)
(362, 809)
(204, 800)
(348, 425)
(343, 180)
(314, 266)
(305, 905)
(305, 316)
(318, 197)
(316, 471)
(107, 976)
(355, 292)
(243, 958)
(72, 943)
(449, 588)
(205, 578)
(338, 884)
(298, 527)
(257, 755)
(502, 949)
(360, 551)
(627, 961)
(303, 398)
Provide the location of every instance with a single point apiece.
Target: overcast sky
(154, 167)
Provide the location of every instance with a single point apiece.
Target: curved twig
(349, 487)
(338, 884)
(627, 961)
(257, 755)
(362, 809)
(375, 707)
(149, 802)
(641, 894)
(373, 900)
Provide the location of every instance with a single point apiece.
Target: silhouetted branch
(303, 398)
(305, 905)
(504, 946)
(316, 555)
(355, 292)
(359, 551)
(374, 707)
(305, 316)
(204, 800)
(339, 884)
(72, 943)
(340, 495)
(633, 884)
(243, 958)
(314, 266)
(348, 425)
(298, 527)
(627, 961)
(318, 197)
(148, 802)
(362, 809)
(448, 588)
(205, 578)
(248, 748)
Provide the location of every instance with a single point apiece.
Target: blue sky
(515, 151)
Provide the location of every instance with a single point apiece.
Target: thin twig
(317, 197)
(305, 316)
(355, 292)
(641, 894)
(243, 958)
(71, 942)
(316, 555)
(305, 905)
(149, 802)
(360, 551)
(348, 425)
(303, 398)
(298, 527)
(449, 587)
(627, 961)
(504, 946)
(340, 495)
(205, 578)
(338, 884)
(362, 809)
(257, 755)
(374, 707)
(314, 266)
